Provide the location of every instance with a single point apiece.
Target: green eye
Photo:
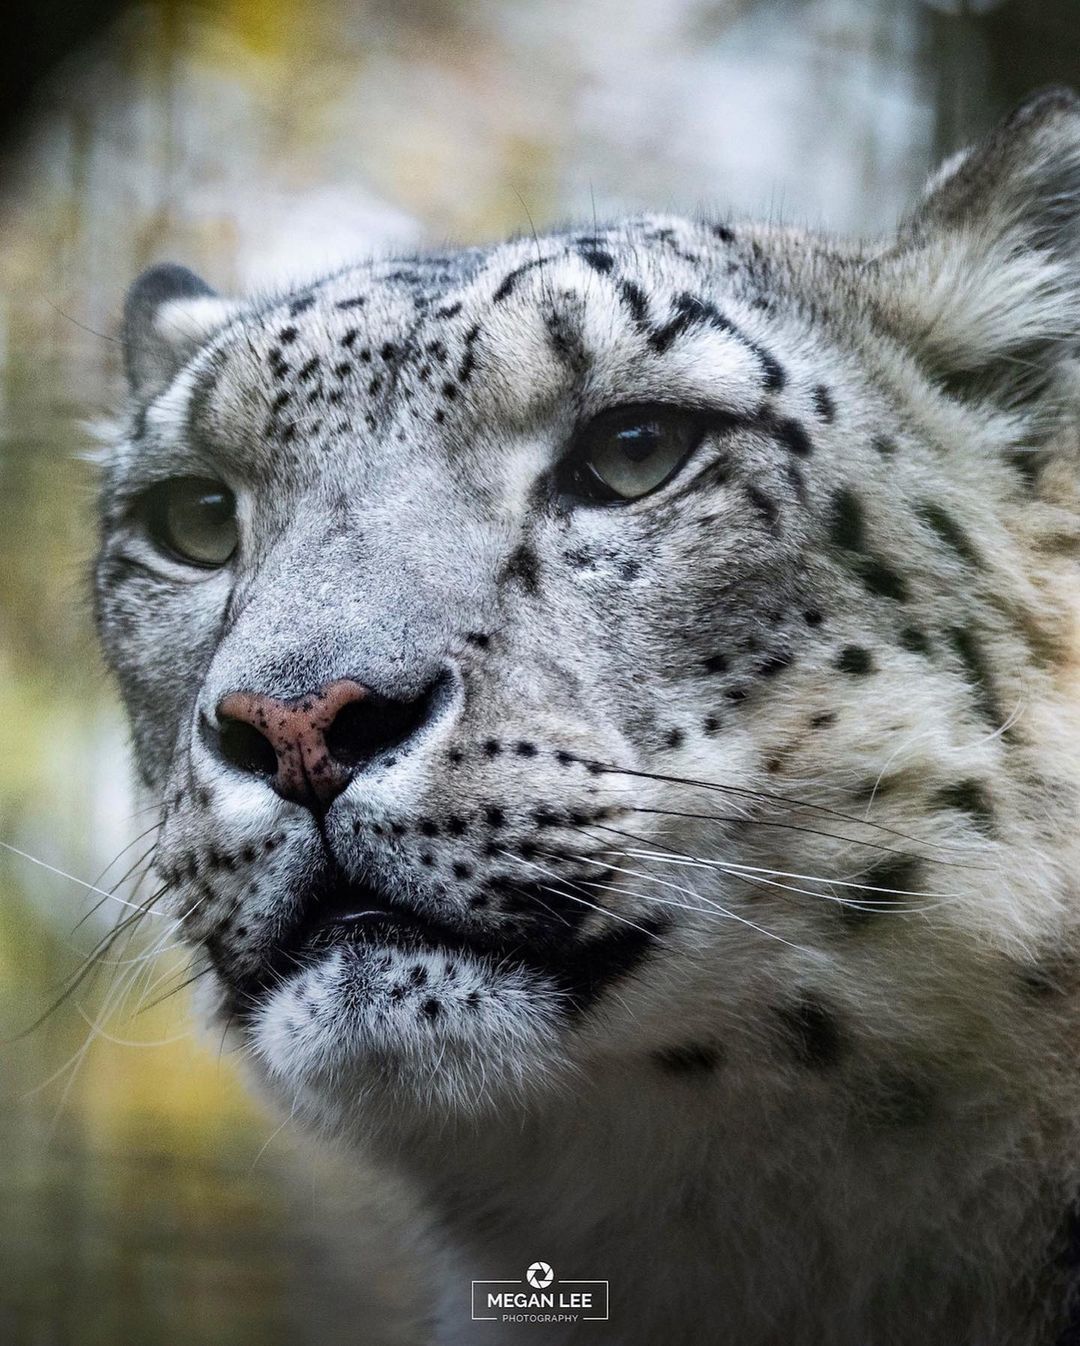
(194, 519)
(627, 452)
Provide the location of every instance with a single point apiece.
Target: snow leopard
(612, 703)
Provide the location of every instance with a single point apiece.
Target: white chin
(383, 1027)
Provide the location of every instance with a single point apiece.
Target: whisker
(745, 792)
(63, 874)
(131, 1042)
(757, 881)
(709, 904)
(797, 827)
(732, 867)
(604, 911)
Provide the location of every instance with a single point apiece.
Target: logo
(540, 1298)
(539, 1275)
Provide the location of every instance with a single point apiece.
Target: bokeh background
(144, 1198)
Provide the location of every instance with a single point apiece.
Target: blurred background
(144, 1197)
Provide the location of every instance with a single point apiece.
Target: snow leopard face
(627, 645)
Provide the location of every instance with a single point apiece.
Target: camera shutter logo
(540, 1297)
(540, 1275)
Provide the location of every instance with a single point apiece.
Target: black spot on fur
(911, 638)
(287, 335)
(765, 505)
(693, 1059)
(886, 890)
(847, 526)
(812, 617)
(506, 285)
(885, 446)
(879, 578)
(674, 738)
(468, 360)
(357, 301)
(823, 403)
(773, 370)
(710, 725)
(793, 436)
(688, 312)
(854, 659)
(723, 233)
(825, 717)
(716, 663)
(847, 530)
(971, 655)
(308, 369)
(598, 259)
(524, 567)
(775, 664)
(633, 296)
(812, 1032)
(950, 532)
(967, 796)
(565, 340)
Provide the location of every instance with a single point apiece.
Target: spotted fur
(745, 812)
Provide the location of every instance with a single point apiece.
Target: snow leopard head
(641, 644)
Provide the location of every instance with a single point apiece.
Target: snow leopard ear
(168, 314)
(985, 274)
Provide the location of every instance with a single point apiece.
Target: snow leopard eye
(192, 519)
(626, 452)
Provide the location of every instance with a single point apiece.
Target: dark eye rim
(577, 480)
(151, 513)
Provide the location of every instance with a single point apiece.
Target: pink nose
(288, 740)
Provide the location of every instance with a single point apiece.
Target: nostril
(363, 729)
(244, 747)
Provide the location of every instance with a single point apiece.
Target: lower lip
(375, 924)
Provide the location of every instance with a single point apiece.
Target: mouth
(342, 913)
(348, 912)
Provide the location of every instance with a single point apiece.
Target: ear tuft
(168, 314)
(985, 276)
